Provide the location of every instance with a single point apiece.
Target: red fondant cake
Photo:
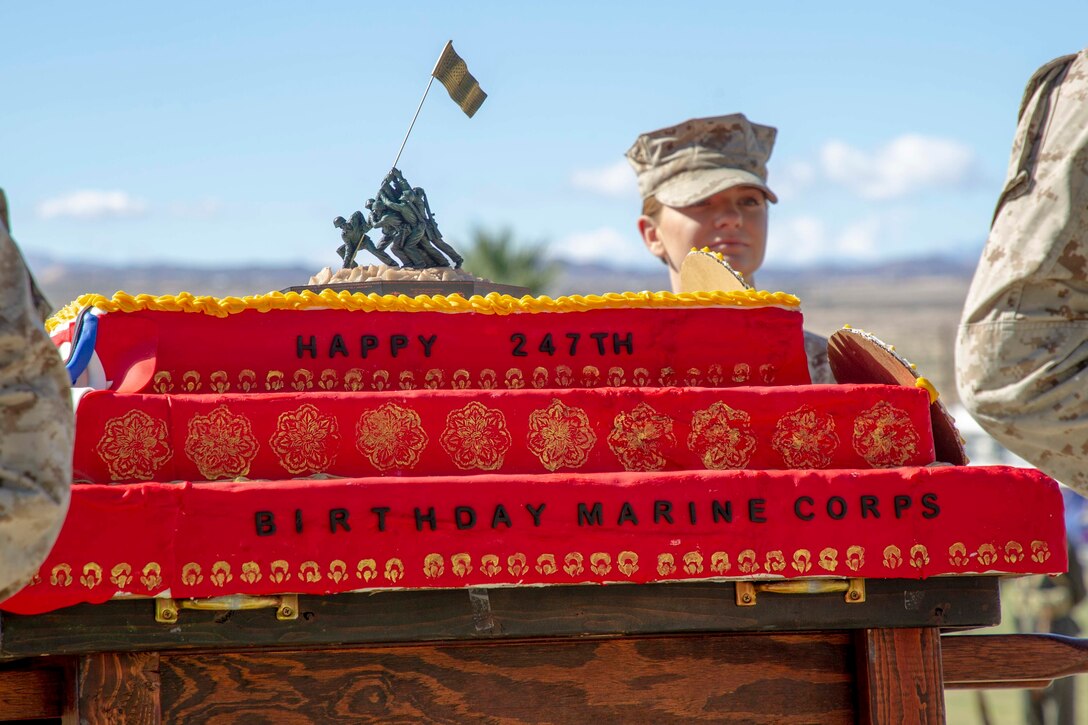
(329, 443)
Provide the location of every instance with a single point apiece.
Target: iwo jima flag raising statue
(438, 473)
(402, 212)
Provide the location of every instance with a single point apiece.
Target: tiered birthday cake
(323, 443)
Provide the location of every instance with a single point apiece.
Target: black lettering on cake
(722, 511)
(588, 516)
(929, 503)
(535, 512)
(380, 512)
(501, 517)
(464, 517)
(546, 345)
(627, 342)
(338, 346)
(519, 345)
(869, 506)
(367, 343)
(574, 337)
(428, 517)
(298, 520)
(397, 343)
(338, 517)
(662, 510)
(266, 523)
(901, 503)
(756, 510)
(427, 342)
(627, 515)
(600, 337)
(836, 507)
(301, 346)
(803, 515)
(691, 511)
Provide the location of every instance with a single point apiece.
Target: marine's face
(732, 222)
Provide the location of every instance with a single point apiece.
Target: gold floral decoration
(489, 565)
(722, 437)
(247, 381)
(893, 556)
(1014, 552)
(353, 380)
(545, 564)
(775, 561)
(219, 382)
(517, 564)
(693, 563)
(461, 563)
(719, 562)
(432, 379)
(220, 575)
(338, 570)
(394, 570)
(919, 556)
(987, 554)
(151, 576)
(407, 380)
(829, 559)
(957, 554)
(627, 562)
(488, 379)
(134, 446)
(305, 440)
(560, 435)
(572, 564)
(564, 376)
(221, 444)
(121, 575)
(591, 376)
(640, 438)
(190, 381)
(1040, 551)
(600, 563)
(433, 566)
(61, 575)
(280, 571)
(855, 557)
(303, 380)
(616, 377)
(390, 437)
(802, 561)
(92, 575)
(741, 373)
(540, 377)
(885, 436)
(805, 438)
(366, 569)
(476, 437)
(514, 379)
(379, 380)
(746, 561)
(666, 564)
(162, 382)
(309, 571)
(191, 574)
(329, 379)
(251, 572)
(273, 380)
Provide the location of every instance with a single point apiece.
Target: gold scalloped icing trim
(492, 304)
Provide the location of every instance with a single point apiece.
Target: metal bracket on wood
(854, 589)
(168, 610)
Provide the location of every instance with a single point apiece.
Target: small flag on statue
(452, 72)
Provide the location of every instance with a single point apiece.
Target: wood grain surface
(118, 688)
(800, 678)
(1002, 660)
(899, 676)
(414, 616)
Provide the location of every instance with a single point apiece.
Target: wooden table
(629, 653)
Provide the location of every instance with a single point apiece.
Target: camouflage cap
(684, 164)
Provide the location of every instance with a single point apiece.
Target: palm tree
(496, 256)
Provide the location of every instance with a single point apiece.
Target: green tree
(497, 256)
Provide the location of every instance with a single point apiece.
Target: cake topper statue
(401, 211)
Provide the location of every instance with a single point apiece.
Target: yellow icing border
(492, 304)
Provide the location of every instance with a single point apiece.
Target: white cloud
(904, 166)
(600, 245)
(791, 178)
(615, 181)
(806, 240)
(92, 204)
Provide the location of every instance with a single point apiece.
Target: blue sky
(215, 134)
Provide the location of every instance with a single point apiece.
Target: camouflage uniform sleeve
(819, 369)
(36, 428)
(1021, 351)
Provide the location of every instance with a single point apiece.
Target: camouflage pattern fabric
(1022, 348)
(819, 369)
(36, 427)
